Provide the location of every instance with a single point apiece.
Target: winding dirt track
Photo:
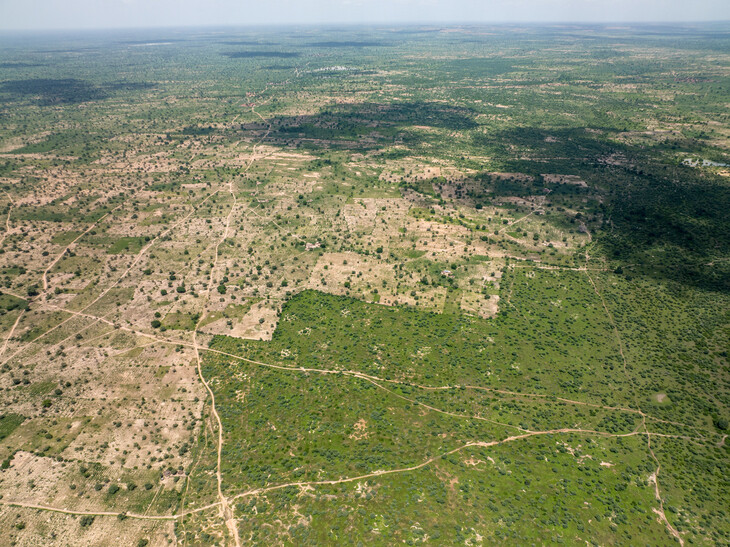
(224, 503)
(119, 279)
(374, 379)
(7, 219)
(45, 273)
(378, 473)
(68, 247)
(659, 511)
(226, 512)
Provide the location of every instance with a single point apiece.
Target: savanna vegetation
(365, 286)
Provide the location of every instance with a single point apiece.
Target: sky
(88, 14)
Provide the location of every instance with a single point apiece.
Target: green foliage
(8, 423)
(127, 245)
(424, 151)
(9, 302)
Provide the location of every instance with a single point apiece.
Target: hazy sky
(72, 14)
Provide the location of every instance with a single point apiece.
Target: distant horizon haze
(139, 14)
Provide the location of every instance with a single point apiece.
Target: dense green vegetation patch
(8, 423)
(8, 302)
(127, 245)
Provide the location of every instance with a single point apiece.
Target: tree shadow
(20, 65)
(262, 54)
(350, 43)
(246, 43)
(484, 67)
(50, 91)
(371, 124)
(655, 216)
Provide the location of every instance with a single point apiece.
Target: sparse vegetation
(465, 287)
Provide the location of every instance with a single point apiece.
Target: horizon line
(372, 24)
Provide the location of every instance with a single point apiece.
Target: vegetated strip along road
(378, 473)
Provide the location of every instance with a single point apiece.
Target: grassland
(365, 286)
